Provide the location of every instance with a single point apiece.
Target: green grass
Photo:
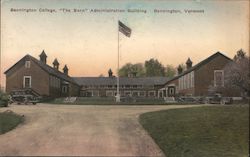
(8, 121)
(215, 131)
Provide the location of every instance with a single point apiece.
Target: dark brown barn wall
(74, 90)
(39, 81)
(204, 76)
(189, 91)
(54, 91)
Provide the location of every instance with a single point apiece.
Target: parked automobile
(218, 99)
(24, 96)
(186, 99)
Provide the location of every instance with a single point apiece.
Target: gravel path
(80, 130)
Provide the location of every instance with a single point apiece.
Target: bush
(4, 98)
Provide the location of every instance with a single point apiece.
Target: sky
(88, 41)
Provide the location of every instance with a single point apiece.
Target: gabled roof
(200, 64)
(122, 80)
(46, 68)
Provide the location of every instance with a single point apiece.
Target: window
(135, 93)
(188, 80)
(109, 93)
(171, 91)
(151, 93)
(27, 64)
(185, 81)
(127, 86)
(110, 86)
(127, 93)
(140, 86)
(64, 89)
(134, 86)
(142, 93)
(95, 93)
(192, 79)
(27, 82)
(218, 78)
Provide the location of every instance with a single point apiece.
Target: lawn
(109, 101)
(8, 121)
(212, 131)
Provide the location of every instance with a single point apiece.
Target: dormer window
(27, 64)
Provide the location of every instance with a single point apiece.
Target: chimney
(43, 57)
(66, 70)
(189, 63)
(110, 73)
(56, 64)
(179, 69)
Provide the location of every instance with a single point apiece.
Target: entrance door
(65, 90)
(171, 91)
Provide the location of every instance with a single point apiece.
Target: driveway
(80, 131)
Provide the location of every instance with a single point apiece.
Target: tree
(239, 55)
(237, 73)
(154, 68)
(170, 71)
(134, 70)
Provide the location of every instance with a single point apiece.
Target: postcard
(124, 78)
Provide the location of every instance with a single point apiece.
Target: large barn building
(45, 80)
(198, 80)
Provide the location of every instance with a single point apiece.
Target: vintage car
(217, 99)
(24, 96)
(187, 99)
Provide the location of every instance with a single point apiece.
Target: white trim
(137, 93)
(27, 64)
(64, 89)
(222, 79)
(24, 77)
(192, 79)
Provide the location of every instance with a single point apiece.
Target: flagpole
(118, 67)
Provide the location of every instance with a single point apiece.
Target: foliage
(239, 55)
(214, 131)
(170, 71)
(129, 69)
(183, 66)
(237, 73)
(3, 99)
(154, 68)
(8, 121)
(150, 68)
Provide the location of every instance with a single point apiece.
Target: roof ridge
(198, 65)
